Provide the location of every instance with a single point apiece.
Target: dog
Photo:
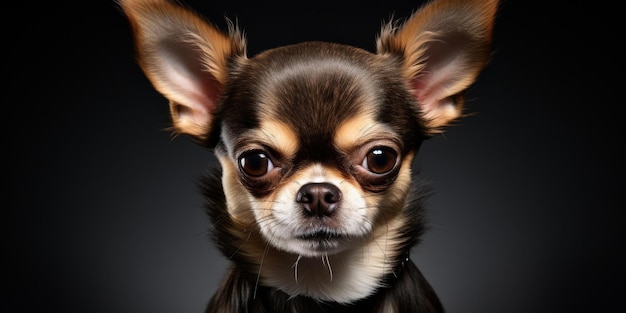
(314, 201)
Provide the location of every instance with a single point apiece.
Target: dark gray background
(104, 214)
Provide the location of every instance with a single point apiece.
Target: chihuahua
(314, 201)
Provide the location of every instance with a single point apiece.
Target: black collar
(405, 258)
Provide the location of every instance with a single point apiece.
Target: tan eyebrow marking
(281, 136)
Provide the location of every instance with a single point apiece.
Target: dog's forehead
(315, 84)
(313, 90)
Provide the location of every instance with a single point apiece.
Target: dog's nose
(319, 199)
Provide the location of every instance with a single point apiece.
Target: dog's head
(315, 140)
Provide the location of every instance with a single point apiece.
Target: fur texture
(315, 202)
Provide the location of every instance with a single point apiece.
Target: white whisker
(241, 245)
(258, 276)
(326, 263)
(295, 267)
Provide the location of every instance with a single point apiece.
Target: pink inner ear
(184, 68)
(204, 97)
(185, 79)
(423, 93)
(211, 90)
(437, 82)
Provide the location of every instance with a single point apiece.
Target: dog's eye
(255, 164)
(380, 160)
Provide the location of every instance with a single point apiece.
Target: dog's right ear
(185, 58)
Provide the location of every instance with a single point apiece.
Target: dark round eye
(255, 164)
(380, 160)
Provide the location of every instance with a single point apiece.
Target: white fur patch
(344, 277)
(282, 221)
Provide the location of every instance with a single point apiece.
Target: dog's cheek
(390, 203)
(356, 214)
(237, 197)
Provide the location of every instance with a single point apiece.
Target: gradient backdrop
(104, 215)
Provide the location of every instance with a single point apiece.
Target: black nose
(318, 199)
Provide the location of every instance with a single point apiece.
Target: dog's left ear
(443, 47)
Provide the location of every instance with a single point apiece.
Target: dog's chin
(321, 242)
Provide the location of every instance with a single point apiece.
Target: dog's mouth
(323, 241)
(322, 235)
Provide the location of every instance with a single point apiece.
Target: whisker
(383, 248)
(386, 261)
(241, 245)
(326, 263)
(258, 276)
(295, 267)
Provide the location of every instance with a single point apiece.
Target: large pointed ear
(443, 47)
(185, 58)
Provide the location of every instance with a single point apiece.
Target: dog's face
(315, 140)
(323, 154)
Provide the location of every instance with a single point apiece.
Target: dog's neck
(345, 277)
